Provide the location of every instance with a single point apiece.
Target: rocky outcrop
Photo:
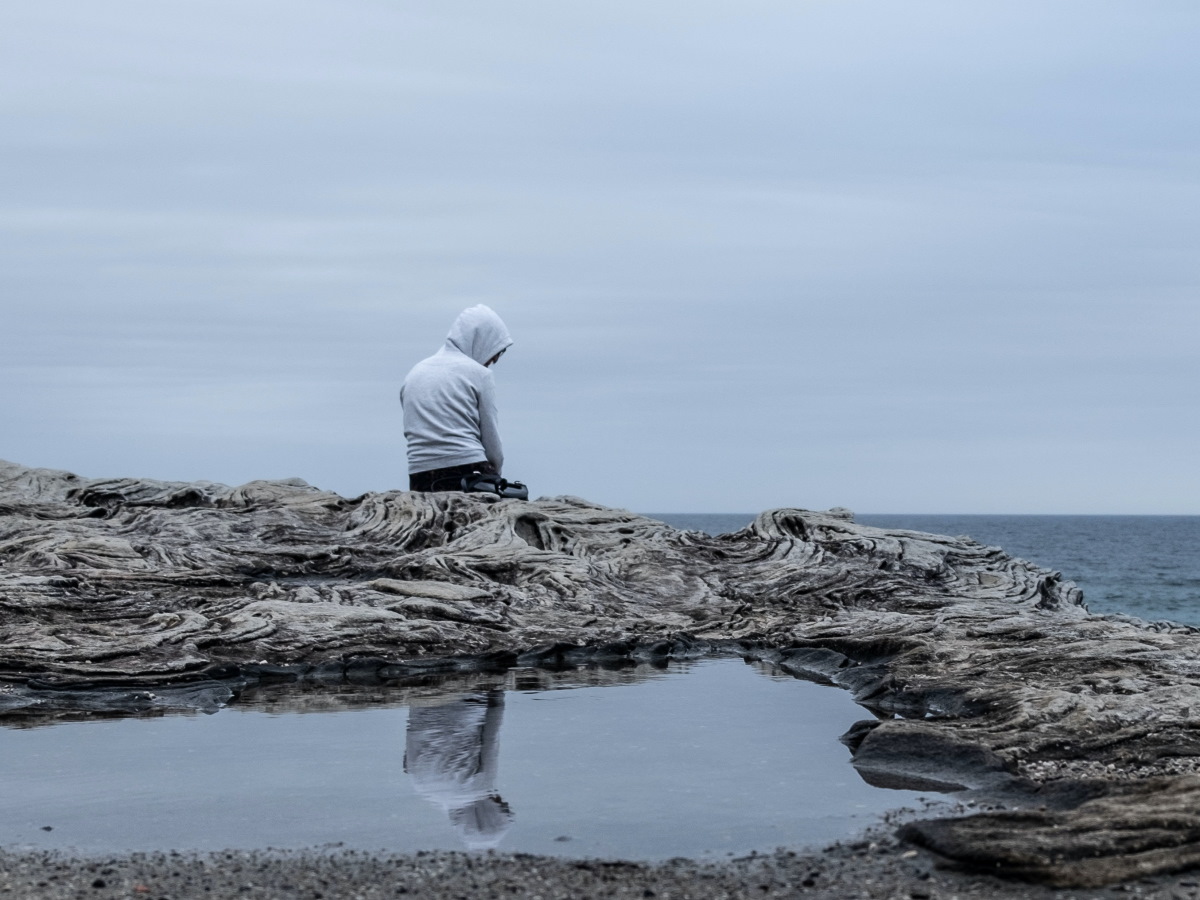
(985, 672)
(1124, 831)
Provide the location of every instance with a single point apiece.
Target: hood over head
(483, 823)
(479, 333)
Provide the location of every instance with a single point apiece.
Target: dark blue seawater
(1144, 566)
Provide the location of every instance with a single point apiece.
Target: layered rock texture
(984, 672)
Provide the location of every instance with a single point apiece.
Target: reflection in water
(689, 759)
(451, 753)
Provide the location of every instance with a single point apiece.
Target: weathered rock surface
(1127, 831)
(986, 672)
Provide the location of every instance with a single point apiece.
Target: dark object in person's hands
(486, 483)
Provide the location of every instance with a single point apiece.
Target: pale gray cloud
(929, 256)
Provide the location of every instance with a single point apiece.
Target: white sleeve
(489, 425)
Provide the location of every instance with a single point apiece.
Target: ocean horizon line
(950, 514)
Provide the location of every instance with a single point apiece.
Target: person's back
(449, 399)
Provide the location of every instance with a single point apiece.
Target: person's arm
(489, 425)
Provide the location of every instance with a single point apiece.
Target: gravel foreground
(877, 867)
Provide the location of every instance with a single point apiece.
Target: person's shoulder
(444, 366)
(423, 366)
(463, 364)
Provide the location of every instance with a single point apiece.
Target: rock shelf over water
(986, 672)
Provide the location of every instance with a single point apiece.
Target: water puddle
(695, 759)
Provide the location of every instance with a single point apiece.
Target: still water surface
(698, 759)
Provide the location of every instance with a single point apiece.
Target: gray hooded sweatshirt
(449, 398)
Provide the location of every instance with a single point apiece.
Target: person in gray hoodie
(449, 402)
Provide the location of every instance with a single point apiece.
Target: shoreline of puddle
(488, 761)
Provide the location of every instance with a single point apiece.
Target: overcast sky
(900, 257)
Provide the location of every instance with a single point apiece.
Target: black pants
(447, 479)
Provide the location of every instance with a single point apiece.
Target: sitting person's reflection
(451, 753)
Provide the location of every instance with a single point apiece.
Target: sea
(1142, 566)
